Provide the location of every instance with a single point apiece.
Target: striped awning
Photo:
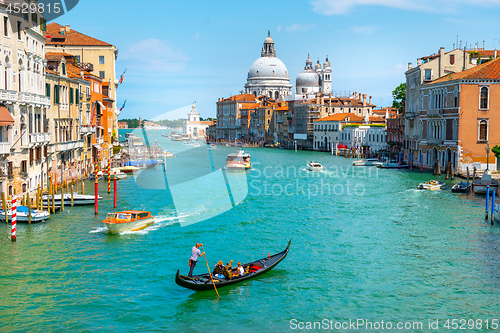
(5, 116)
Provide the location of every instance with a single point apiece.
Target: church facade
(194, 127)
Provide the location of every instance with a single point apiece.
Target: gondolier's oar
(209, 273)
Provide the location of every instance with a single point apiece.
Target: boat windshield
(119, 216)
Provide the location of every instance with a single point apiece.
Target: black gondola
(462, 187)
(255, 268)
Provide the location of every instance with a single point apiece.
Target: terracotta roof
(484, 53)
(342, 117)
(376, 119)
(70, 38)
(51, 72)
(57, 55)
(242, 98)
(251, 106)
(489, 70)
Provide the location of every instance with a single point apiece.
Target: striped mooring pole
(14, 218)
(96, 194)
(109, 175)
(115, 192)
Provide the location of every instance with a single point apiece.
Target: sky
(180, 52)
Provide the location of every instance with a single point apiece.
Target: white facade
(328, 133)
(194, 126)
(268, 75)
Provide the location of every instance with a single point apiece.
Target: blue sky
(180, 52)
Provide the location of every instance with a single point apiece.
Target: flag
(123, 106)
(121, 77)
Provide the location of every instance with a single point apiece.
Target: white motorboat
(129, 169)
(392, 165)
(176, 137)
(196, 144)
(431, 185)
(22, 214)
(314, 166)
(115, 173)
(167, 154)
(365, 162)
(129, 220)
(212, 146)
(480, 185)
(238, 161)
(78, 199)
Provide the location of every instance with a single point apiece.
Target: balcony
(434, 141)
(28, 98)
(5, 147)
(69, 145)
(8, 96)
(39, 138)
(100, 141)
(410, 115)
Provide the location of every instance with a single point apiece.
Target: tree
(496, 150)
(399, 96)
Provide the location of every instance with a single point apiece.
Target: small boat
(496, 215)
(186, 137)
(187, 143)
(392, 165)
(314, 166)
(255, 268)
(167, 154)
(212, 146)
(238, 161)
(129, 220)
(365, 162)
(115, 173)
(140, 163)
(78, 199)
(431, 185)
(196, 144)
(164, 135)
(176, 137)
(462, 187)
(129, 169)
(22, 214)
(480, 185)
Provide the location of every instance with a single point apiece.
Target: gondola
(255, 268)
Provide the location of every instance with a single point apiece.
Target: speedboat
(196, 144)
(22, 214)
(129, 169)
(129, 220)
(314, 166)
(238, 161)
(167, 154)
(480, 185)
(462, 187)
(366, 162)
(78, 199)
(392, 165)
(115, 173)
(431, 185)
(212, 146)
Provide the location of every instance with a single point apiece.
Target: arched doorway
(326, 143)
(434, 155)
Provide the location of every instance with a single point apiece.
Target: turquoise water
(365, 244)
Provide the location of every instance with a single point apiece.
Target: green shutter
(77, 96)
(56, 94)
(71, 95)
(47, 89)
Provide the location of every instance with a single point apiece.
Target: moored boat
(129, 169)
(115, 173)
(314, 166)
(431, 185)
(252, 269)
(462, 187)
(129, 220)
(176, 137)
(238, 161)
(496, 215)
(392, 165)
(196, 144)
(480, 185)
(78, 199)
(22, 214)
(365, 162)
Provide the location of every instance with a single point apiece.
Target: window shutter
(77, 96)
(71, 95)
(56, 94)
(47, 89)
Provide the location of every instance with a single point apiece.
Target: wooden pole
(210, 273)
(72, 195)
(54, 191)
(83, 187)
(14, 218)
(29, 207)
(62, 198)
(109, 175)
(4, 204)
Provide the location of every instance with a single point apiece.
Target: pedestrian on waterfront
(195, 254)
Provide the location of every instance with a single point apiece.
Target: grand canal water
(364, 245)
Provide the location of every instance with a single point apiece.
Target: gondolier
(195, 253)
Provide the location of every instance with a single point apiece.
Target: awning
(5, 117)
(98, 147)
(102, 105)
(100, 127)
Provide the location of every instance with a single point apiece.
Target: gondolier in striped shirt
(195, 254)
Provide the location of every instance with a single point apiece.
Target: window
(101, 60)
(452, 59)
(43, 24)
(102, 75)
(18, 30)
(483, 103)
(34, 18)
(6, 26)
(64, 68)
(26, 17)
(77, 96)
(483, 131)
(56, 94)
(428, 75)
(455, 98)
(24, 165)
(71, 95)
(47, 89)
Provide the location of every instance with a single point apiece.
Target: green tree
(496, 151)
(399, 96)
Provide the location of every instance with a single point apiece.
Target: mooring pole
(487, 199)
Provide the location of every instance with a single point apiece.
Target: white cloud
(364, 29)
(154, 56)
(339, 7)
(299, 27)
(279, 28)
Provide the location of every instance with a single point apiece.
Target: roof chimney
(441, 61)
(409, 66)
(364, 99)
(61, 31)
(370, 100)
(359, 96)
(67, 28)
(419, 62)
(495, 54)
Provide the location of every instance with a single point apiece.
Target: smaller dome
(327, 63)
(318, 65)
(307, 78)
(269, 40)
(309, 61)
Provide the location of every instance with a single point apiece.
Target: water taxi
(480, 185)
(431, 185)
(128, 220)
(176, 137)
(314, 166)
(196, 144)
(238, 161)
(366, 162)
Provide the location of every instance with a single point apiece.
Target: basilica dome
(268, 67)
(307, 78)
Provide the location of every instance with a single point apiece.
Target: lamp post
(487, 148)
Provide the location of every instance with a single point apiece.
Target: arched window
(483, 103)
(455, 97)
(483, 131)
(276, 95)
(255, 93)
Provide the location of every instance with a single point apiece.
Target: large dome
(268, 67)
(307, 78)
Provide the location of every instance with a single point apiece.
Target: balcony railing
(8, 95)
(434, 141)
(39, 138)
(70, 145)
(5, 147)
